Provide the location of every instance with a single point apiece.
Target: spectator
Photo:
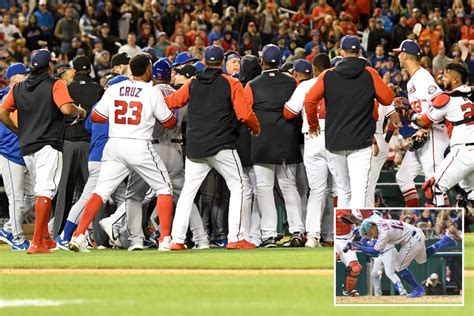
(88, 23)
(320, 11)
(381, 15)
(228, 43)
(216, 32)
(441, 60)
(284, 51)
(177, 47)
(254, 35)
(268, 24)
(301, 17)
(131, 48)
(379, 58)
(169, 19)
(66, 29)
(400, 32)
(452, 287)
(162, 45)
(7, 30)
(107, 39)
(431, 36)
(33, 34)
(432, 285)
(315, 40)
(45, 19)
(248, 47)
(467, 30)
(377, 36)
(145, 34)
(363, 6)
(351, 9)
(425, 219)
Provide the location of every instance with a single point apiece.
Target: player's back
(394, 231)
(161, 133)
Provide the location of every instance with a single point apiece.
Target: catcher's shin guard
(353, 272)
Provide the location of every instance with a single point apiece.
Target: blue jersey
(9, 144)
(99, 137)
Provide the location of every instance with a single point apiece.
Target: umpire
(85, 93)
(277, 151)
(349, 91)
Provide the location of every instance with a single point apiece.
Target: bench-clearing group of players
(144, 120)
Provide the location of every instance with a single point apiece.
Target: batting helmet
(161, 70)
(366, 225)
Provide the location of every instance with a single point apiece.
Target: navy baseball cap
(302, 66)
(184, 58)
(214, 53)
(150, 51)
(271, 53)
(16, 69)
(350, 43)
(81, 63)
(410, 47)
(120, 59)
(40, 58)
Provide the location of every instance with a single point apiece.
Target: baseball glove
(403, 106)
(418, 139)
(350, 219)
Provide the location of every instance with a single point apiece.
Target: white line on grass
(34, 302)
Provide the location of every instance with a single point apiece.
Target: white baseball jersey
(161, 133)
(132, 108)
(384, 112)
(296, 104)
(457, 109)
(422, 89)
(392, 232)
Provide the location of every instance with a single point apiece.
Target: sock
(407, 276)
(90, 210)
(334, 201)
(68, 231)
(434, 248)
(42, 212)
(164, 209)
(411, 198)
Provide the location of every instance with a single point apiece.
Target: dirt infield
(399, 300)
(308, 272)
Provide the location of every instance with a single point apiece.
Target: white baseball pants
(227, 163)
(21, 199)
(375, 168)
(414, 249)
(384, 262)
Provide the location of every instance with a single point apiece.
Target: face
(402, 59)
(69, 13)
(233, 66)
(379, 51)
(448, 79)
(131, 39)
(18, 78)
(373, 232)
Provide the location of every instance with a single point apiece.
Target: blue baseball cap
(150, 51)
(350, 43)
(199, 66)
(302, 66)
(40, 58)
(214, 53)
(410, 47)
(16, 69)
(271, 53)
(184, 58)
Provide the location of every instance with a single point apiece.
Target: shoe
(61, 243)
(400, 289)
(35, 249)
(21, 247)
(416, 292)
(102, 247)
(136, 247)
(147, 244)
(6, 237)
(352, 293)
(328, 243)
(243, 244)
(221, 243)
(202, 245)
(89, 235)
(312, 242)
(296, 240)
(165, 244)
(78, 244)
(176, 247)
(106, 224)
(269, 243)
(49, 243)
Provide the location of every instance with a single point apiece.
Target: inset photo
(399, 256)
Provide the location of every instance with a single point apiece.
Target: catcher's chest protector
(342, 228)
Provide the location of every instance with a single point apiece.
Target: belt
(156, 141)
(469, 144)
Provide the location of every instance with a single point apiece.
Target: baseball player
(422, 93)
(215, 102)
(317, 161)
(458, 166)
(344, 236)
(42, 102)
(133, 106)
(412, 242)
(16, 178)
(349, 90)
(167, 143)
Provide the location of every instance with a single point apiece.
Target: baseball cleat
(416, 292)
(6, 237)
(221, 243)
(352, 293)
(78, 244)
(36, 249)
(61, 243)
(269, 243)
(177, 247)
(49, 243)
(328, 243)
(165, 244)
(21, 247)
(107, 226)
(243, 244)
(312, 242)
(400, 289)
(135, 247)
(296, 240)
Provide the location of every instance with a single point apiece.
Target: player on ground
(422, 93)
(458, 166)
(132, 106)
(344, 236)
(412, 242)
(42, 102)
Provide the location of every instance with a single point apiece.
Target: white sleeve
(160, 110)
(388, 110)
(438, 114)
(382, 238)
(429, 88)
(102, 107)
(296, 102)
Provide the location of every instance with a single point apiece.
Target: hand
(355, 247)
(255, 134)
(394, 119)
(82, 114)
(376, 150)
(313, 132)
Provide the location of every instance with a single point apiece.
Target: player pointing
(131, 108)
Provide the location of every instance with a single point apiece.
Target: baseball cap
(120, 59)
(16, 69)
(287, 67)
(41, 2)
(271, 53)
(409, 47)
(81, 63)
(150, 51)
(40, 58)
(302, 66)
(187, 70)
(199, 66)
(434, 276)
(214, 53)
(350, 43)
(105, 25)
(184, 58)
